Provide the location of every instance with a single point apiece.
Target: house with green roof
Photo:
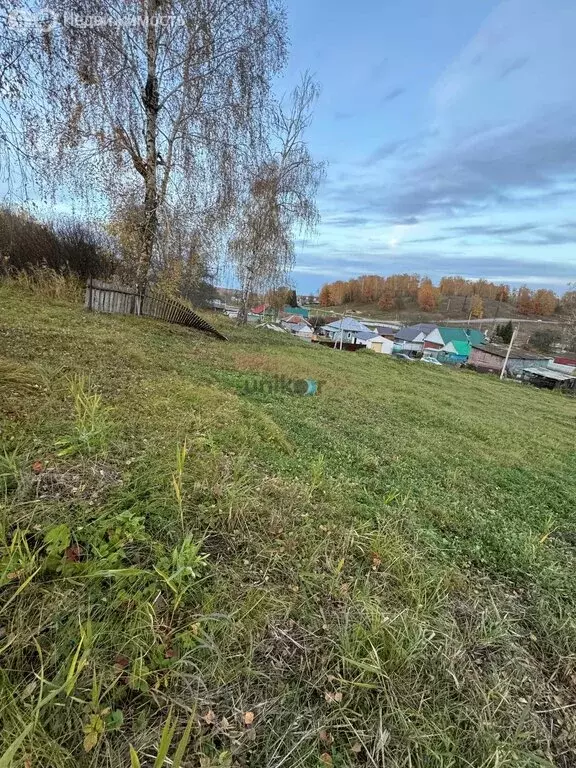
(455, 352)
(301, 311)
(475, 337)
(439, 337)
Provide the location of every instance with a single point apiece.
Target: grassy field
(199, 568)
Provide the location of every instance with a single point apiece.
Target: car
(404, 356)
(431, 360)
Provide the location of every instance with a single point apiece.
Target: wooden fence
(118, 299)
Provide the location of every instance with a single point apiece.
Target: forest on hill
(396, 291)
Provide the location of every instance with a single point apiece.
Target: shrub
(68, 247)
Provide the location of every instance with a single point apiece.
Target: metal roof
(515, 354)
(409, 333)
(547, 373)
(569, 361)
(461, 348)
(475, 336)
(347, 324)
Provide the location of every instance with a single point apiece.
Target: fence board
(119, 299)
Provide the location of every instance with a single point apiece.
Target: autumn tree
(161, 97)
(427, 296)
(324, 296)
(280, 198)
(568, 308)
(524, 303)
(279, 297)
(544, 302)
(386, 302)
(477, 307)
(502, 293)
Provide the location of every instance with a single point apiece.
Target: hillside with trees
(453, 297)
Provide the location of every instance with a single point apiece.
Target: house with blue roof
(346, 330)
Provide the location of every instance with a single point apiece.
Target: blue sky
(450, 132)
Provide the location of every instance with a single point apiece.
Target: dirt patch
(87, 482)
(285, 648)
(219, 546)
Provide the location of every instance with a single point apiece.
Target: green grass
(380, 575)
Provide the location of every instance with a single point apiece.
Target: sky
(449, 130)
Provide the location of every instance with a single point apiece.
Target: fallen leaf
(37, 467)
(209, 717)
(72, 554)
(90, 740)
(248, 718)
(29, 690)
(169, 653)
(356, 747)
(326, 759)
(332, 697)
(121, 661)
(224, 724)
(27, 762)
(326, 737)
(14, 575)
(376, 561)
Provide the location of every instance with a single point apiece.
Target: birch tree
(280, 198)
(160, 95)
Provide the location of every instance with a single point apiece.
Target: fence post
(90, 293)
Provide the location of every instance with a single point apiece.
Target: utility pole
(503, 372)
(342, 318)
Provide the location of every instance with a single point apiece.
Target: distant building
(410, 339)
(387, 331)
(345, 330)
(380, 344)
(564, 365)
(296, 311)
(546, 378)
(439, 337)
(295, 320)
(455, 352)
(491, 357)
(304, 331)
(261, 309)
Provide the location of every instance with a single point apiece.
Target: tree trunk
(243, 311)
(151, 100)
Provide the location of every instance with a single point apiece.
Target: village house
(345, 330)
(294, 320)
(439, 337)
(410, 340)
(547, 378)
(380, 344)
(387, 331)
(303, 331)
(564, 365)
(454, 353)
(300, 311)
(363, 337)
(491, 357)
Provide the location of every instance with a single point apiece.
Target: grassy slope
(391, 570)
